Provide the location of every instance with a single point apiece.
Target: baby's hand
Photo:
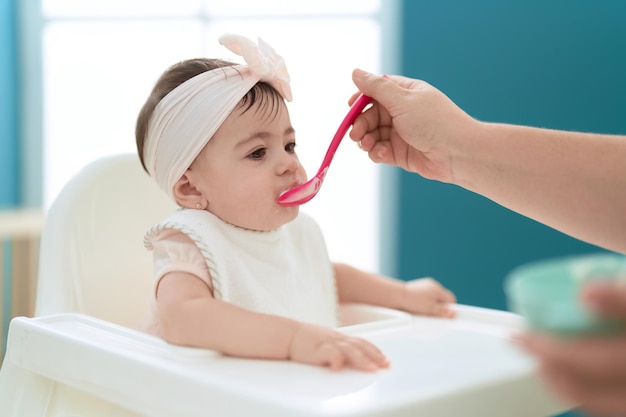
(317, 345)
(426, 296)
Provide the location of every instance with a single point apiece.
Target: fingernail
(591, 298)
(592, 303)
(359, 73)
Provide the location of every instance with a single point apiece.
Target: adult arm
(574, 182)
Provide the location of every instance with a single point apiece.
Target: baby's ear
(186, 194)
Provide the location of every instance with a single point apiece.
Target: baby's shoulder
(191, 223)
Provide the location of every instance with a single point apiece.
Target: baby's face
(247, 164)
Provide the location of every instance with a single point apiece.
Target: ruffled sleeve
(176, 252)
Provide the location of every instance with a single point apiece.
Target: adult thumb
(381, 89)
(607, 298)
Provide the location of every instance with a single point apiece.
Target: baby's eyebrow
(262, 135)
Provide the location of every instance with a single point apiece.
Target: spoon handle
(356, 109)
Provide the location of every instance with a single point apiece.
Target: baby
(234, 270)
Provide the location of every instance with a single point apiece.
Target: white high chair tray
(465, 366)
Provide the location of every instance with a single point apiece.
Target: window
(101, 58)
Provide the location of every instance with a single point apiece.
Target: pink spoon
(304, 192)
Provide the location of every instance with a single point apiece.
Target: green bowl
(547, 293)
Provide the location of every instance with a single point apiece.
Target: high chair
(82, 355)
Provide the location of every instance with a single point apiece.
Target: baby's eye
(257, 154)
(291, 147)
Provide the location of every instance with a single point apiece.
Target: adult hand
(411, 125)
(590, 371)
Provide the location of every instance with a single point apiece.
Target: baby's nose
(288, 163)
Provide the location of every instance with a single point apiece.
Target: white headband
(187, 117)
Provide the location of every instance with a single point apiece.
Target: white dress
(284, 272)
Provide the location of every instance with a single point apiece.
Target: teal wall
(558, 64)
(9, 194)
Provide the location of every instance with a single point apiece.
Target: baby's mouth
(293, 185)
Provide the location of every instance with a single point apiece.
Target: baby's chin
(282, 216)
(274, 220)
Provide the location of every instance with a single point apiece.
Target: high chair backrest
(92, 258)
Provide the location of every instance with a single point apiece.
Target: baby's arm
(190, 316)
(421, 296)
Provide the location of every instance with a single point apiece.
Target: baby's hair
(269, 98)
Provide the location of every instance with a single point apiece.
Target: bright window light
(102, 57)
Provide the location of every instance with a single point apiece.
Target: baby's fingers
(443, 310)
(447, 296)
(334, 358)
(363, 355)
(437, 308)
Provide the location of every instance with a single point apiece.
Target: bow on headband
(262, 60)
(187, 117)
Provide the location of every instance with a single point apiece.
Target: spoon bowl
(305, 192)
